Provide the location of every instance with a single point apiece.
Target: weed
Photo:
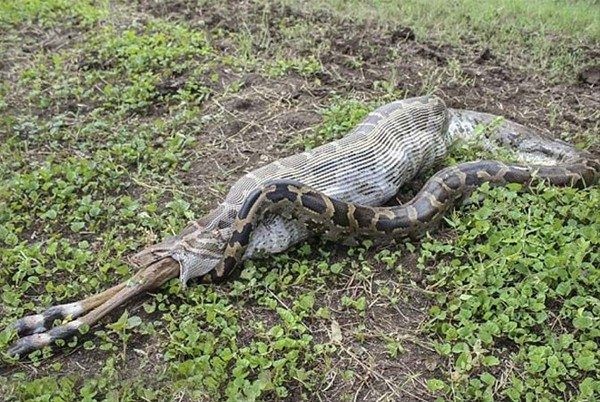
(516, 294)
(340, 117)
(110, 113)
(542, 34)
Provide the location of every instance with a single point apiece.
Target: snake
(336, 191)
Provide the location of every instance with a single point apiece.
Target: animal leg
(149, 278)
(36, 323)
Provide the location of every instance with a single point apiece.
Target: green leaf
(513, 394)
(487, 378)
(77, 226)
(307, 301)
(133, 321)
(490, 361)
(336, 268)
(434, 385)
(514, 186)
(583, 322)
(50, 214)
(586, 360)
(588, 387)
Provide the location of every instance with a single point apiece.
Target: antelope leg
(149, 278)
(36, 323)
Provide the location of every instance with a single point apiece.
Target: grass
(121, 122)
(51, 13)
(541, 35)
(577, 19)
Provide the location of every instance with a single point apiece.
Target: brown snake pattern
(333, 191)
(333, 219)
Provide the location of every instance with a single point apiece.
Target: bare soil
(268, 113)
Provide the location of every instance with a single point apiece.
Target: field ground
(122, 121)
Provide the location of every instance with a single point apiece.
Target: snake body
(335, 190)
(334, 219)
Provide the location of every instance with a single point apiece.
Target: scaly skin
(329, 190)
(334, 219)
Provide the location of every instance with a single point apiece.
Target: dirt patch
(358, 61)
(356, 57)
(258, 123)
(590, 75)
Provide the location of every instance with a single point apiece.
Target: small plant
(519, 264)
(111, 138)
(338, 119)
(305, 67)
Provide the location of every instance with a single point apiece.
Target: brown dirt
(273, 111)
(259, 121)
(268, 113)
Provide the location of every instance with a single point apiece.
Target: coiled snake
(334, 191)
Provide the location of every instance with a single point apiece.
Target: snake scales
(336, 191)
(391, 146)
